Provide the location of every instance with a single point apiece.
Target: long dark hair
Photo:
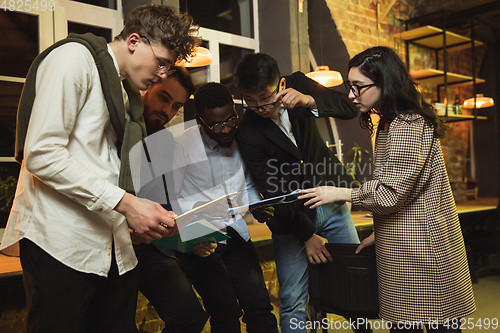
(398, 92)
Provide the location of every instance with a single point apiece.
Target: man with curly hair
(79, 115)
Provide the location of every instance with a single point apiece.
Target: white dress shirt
(205, 171)
(282, 119)
(68, 181)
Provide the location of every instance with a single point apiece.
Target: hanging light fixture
(481, 102)
(201, 58)
(326, 77)
(323, 74)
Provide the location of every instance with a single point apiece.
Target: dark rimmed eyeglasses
(265, 107)
(217, 128)
(162, 69)
(356, 89)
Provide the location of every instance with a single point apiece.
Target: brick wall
(356, 22)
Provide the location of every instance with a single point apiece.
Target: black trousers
(61, 299)
(229, 279)
(167, 288)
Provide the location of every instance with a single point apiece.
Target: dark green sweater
(129, 132)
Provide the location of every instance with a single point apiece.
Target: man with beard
(161, 279)
(207, 166)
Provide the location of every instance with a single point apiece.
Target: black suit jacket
(279, 167)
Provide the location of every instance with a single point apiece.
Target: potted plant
(358, 151)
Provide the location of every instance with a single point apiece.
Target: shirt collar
(115, 63)
(211, 143)
(277, 115)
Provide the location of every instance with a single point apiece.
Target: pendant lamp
(326, 77)
(201, 58)
(481, 102)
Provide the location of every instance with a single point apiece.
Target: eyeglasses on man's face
(356, 89)
(162, 67)
(265, 107)
(217, 128)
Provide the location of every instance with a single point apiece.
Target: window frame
(215, 38)
(53, 26)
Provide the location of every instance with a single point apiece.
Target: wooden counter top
(9, 267)
(478, 205)
(261, 235)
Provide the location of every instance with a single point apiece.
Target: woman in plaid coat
(421, 260)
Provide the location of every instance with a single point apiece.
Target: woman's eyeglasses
(356, 89)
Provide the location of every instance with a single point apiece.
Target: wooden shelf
(432, 37)
(436, 76)
(459, 117)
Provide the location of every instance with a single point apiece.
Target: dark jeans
(167, 288)
(230, 275)
(61, 299)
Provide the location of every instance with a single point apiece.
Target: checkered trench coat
(421, 261)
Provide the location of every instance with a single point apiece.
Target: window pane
(79, 28)
(101, 3)
(20, 43)
(234, 17)
(229, 57)
(199, 75)
(9, 98)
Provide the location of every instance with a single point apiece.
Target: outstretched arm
(324, 194)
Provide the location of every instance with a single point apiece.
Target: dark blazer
(279, 167)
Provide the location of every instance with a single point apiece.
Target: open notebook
(197, 232)
(192, 233)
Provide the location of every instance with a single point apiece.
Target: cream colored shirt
(68, 181)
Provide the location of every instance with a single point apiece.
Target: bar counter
(261, 235)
